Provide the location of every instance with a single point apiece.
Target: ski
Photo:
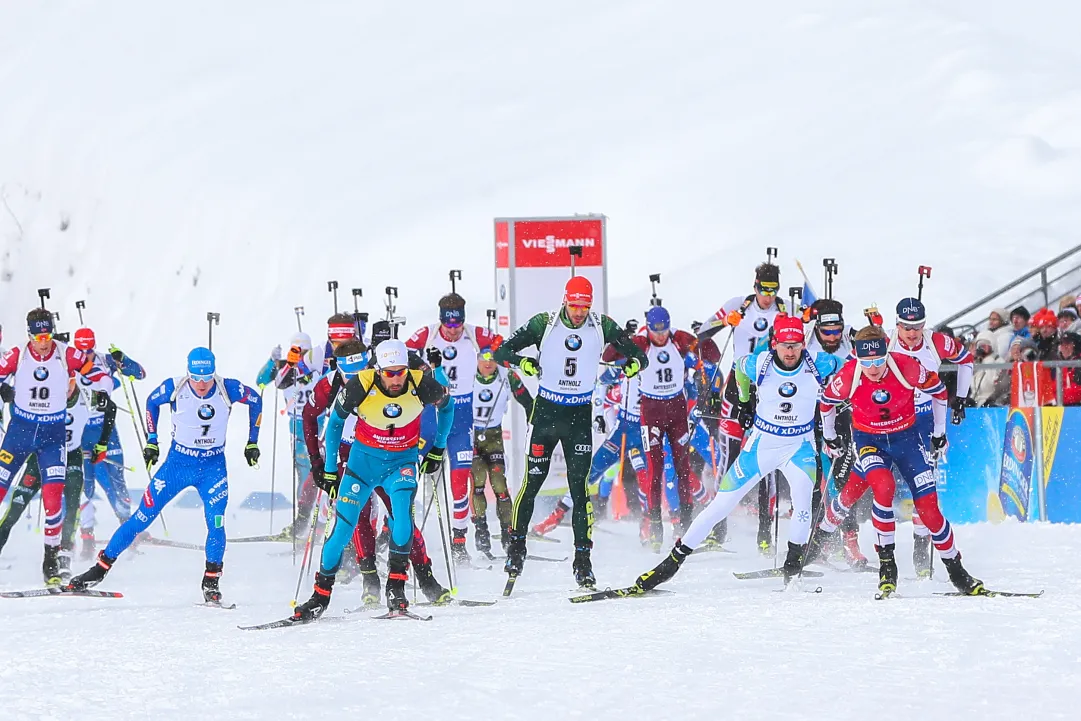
(884, 594)
(509, 588)
(713, 549)
(167, 543)
(774, 573)
(259, 539)
(609, 593)
(529, 557)
(216, 604)
(463, 602)
(401, 613)
(987, 593)
(61, 591)
(816, 589)
(534, 536)
(281, 623)
(365, 608)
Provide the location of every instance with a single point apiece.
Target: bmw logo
(41, 373)
(69, 419)
(786, 407)
(760, 324)
(485, 395)
(85, 381)
(450, 352)
(881, 396)
(206, 411)
(392, 410)
(663, 357)
(787, 390)
(573, 342)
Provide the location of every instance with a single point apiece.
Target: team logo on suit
(41, 373)
(450, 352)
(881, 396)
(392, 410)
(573, 342)
(485, 395)
(663, 357)
(760, 324)
(787, 389)
(206, 411)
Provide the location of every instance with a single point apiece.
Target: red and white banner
(533, 264)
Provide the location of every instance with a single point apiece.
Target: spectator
(1069, 348)
(1019, 318)
(1003, 334)
(1067, 301)
(1022, 350)
(1044, 326)
(1068, 320)
(983, 382)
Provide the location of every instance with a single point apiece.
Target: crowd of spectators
(1019, 336)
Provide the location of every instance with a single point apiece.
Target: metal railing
(1047, 284)
(999, 367)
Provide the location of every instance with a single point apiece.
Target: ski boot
(504, 536)
(961, 579)
(664, 570)
(815, 547)
(921, 555)
(644, 530)
(793, 562)
(89, 546)
(887, 570)
(396, 578)
(349, 569)
(369, 596)
(458, 551)
(765, 541)
(65, 566)
(430, 587)
(548, 524)
(314, 607)
(482, 538)
(583, 568)
(211, 592)
(853, 557)
(683, 522)
(515, 553)
(297, 529)
(717, 536)
(92, 576)
(382, 541)
(50, 566)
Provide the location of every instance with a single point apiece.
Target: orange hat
(788, 329)
(579, 291)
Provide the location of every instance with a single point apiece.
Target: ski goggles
(911, 326)
(41, 337)
(392, 372)
(766, 287)
(200, 377)
(873, 362)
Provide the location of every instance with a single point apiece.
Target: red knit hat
(1045, 317)
(579, 291)
(84, 339)
(788, 329)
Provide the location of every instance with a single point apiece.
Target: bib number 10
(40, 394)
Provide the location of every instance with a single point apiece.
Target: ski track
(717, 648)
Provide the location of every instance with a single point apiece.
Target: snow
(717, 647)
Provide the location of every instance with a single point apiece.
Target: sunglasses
(765, 290)
(200, 378)
(390, 373)
(906, 326)
(41, 337)
(830, 331)
(576, 307)
(873, 362)
(452, 323)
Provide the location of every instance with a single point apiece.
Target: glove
(835, 447)
(631, 326)
(251, 454)
(745, 415)
(293, 357)
(99, 400)
(733, 318)
(433, 459)
(696, 325)
(631, 369)
(958, 406)
(434, 356)
(276, 353)
(100, 449)
(938, 446)
(497, 340)
(598, 424)
(7, 393)
(150, 454)
(527, 366)
(327, 480)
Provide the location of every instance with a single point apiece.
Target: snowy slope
(717, 648)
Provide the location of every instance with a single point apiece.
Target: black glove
(150, 454)
(434, 356)
(99, 400)
(938, 446)
(745, 415)
(433, 459)
(958, 405)
(835, 447)
(118, 355)
(7, 393)
(598, 424)
(251, 454)
(327, 480)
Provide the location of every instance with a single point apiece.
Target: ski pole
(293, 451)
(443, 532)
(308, 544)
(142, 449)
(274, 461)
